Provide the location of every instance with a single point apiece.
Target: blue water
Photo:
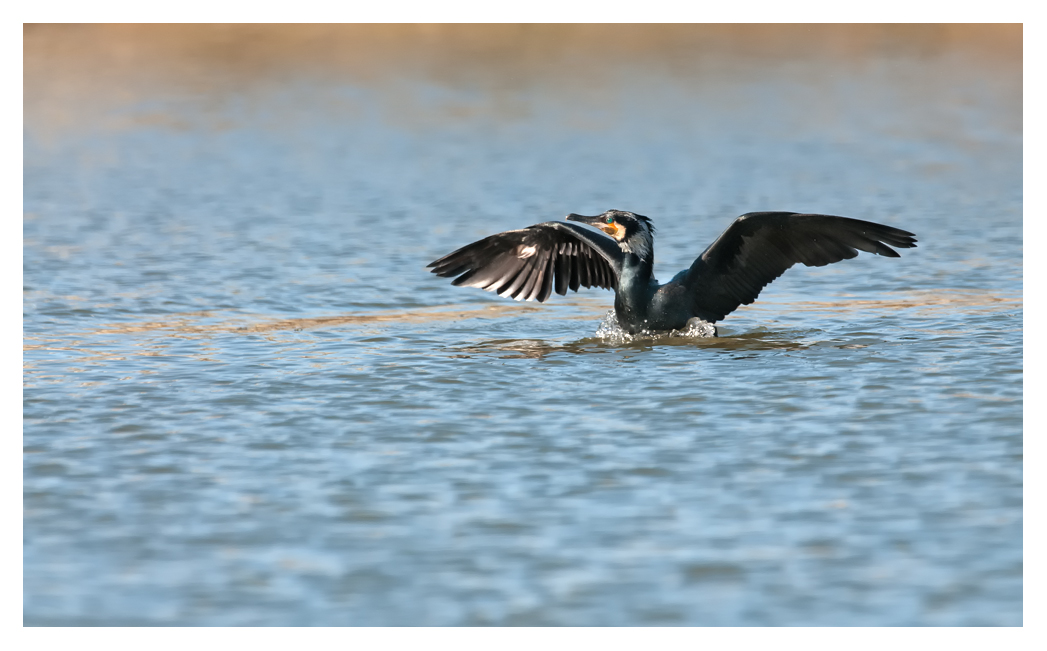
(247, 402)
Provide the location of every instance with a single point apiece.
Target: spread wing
(530, 263)
(759, 246)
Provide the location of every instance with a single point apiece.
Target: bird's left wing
(530, 263)
(759, 246)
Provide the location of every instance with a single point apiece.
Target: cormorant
(531, 263)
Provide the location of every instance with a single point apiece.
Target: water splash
(612, 332)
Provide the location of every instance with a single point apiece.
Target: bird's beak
(595, 220)
(582, 218)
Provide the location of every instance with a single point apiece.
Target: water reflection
(918, 303)
(107, 345)
(537, 349)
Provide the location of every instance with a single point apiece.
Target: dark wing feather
(531, 263)
(759, 246)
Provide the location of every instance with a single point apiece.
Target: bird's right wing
(759, 246)
(530, 263)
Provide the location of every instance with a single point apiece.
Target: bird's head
(634, 233)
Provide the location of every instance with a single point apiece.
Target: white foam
(609, 330)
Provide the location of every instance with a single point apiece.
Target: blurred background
(246, 402)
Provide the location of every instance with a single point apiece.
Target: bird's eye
(610, 220)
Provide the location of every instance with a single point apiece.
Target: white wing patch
(526, 251)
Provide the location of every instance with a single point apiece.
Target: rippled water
(246, 401)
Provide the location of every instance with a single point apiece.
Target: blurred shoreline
(76, 74)
(195, 52)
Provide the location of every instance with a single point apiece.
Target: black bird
(531, 263)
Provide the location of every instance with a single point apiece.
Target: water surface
(247, 402)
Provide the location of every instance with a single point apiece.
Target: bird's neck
(632, 300)
(634, 286)
(638, 262)
(636, 273)
(640, 245)
(635, 281)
